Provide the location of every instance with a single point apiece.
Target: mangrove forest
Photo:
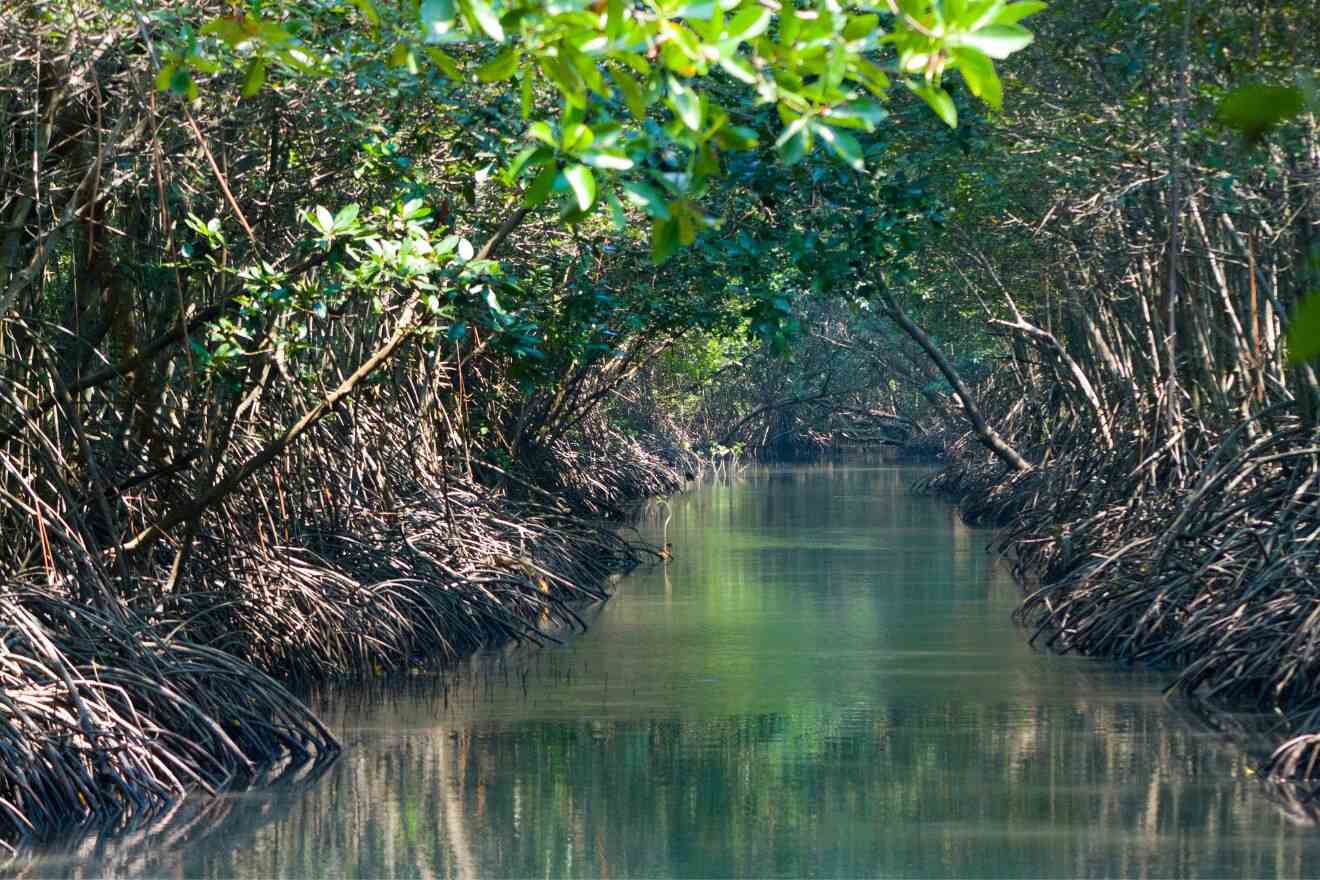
(653, 400)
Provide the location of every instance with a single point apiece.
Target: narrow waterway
(823, 681)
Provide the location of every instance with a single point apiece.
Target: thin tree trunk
(986, 434)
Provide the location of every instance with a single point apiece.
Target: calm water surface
(824, 681)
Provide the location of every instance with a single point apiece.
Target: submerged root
(385, 539)
(121, 692)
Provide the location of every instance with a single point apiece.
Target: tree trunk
(986, 434)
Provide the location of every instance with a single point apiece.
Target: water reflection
(823, 682)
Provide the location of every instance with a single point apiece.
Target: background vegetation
(1146, 251)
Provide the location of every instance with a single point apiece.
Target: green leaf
(541, 185)
(706, 163)
(204, 64)
(565, 78)
(165, 77)
(843, 145)
(631, 92)
(254, 78)
(525, 94)
(368, 10)
(181, 83)
(583, 184)
(617, 216)
(344, 219)
(736, 137)
(789, 26)
(976, 15)
(401, 55)
(996, 40)
(871, 76)
(860, 26)
(613, 19)
(486, 19)
(521, 161)
(686, 103)
(542, 132)
(687, 226)
(979, 72)
(644, 196)
(271, 32)
(230, 30)
(437, 18)
(448, 66)
(664, 240)
(1304, 330)
(940, 101)
(588, 69)
(611, 160)
(697, 10)
(1015, 12)
(748, 24)
(863, 114)
(324, 220)
(577, 137)
(738, 68)
(1255, 109)
(674, 58)
(499, 68)
(306, 63)
(794, 141)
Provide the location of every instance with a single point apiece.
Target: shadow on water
(823, 681)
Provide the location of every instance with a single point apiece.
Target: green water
(823, 681)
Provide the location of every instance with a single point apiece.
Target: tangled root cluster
(106, 718)
(129, 681)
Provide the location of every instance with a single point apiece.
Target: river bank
(124, 696)
(1205, 568)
